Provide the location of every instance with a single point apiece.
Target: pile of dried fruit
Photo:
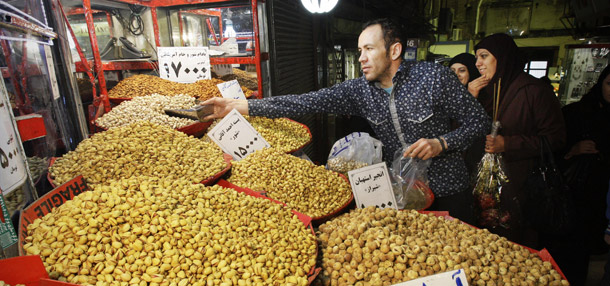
(374, 246)
(281, 133)
(150, 231)
(143, 85)
(148, 108)
(303, 186)
(141, 148)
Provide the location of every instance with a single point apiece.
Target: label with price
(372, 186)
(236, 136)
(449, 278)
(12, 163)
(231, 89)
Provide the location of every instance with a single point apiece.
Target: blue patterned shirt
(425, 97)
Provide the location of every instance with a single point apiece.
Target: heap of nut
(141, 148)
(14, 199)
(303, 186)
(343, 165)
(244, 79)
(150, 231)
(374, 246)
(149, 108)
(2, 283)
(143, 85)
(281, 133)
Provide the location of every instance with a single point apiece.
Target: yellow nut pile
(303, 186)
(149, 231)
(141, 148)
(148, 108)
(281, 133)
(143, 85)
(374, 246)
(2, 283)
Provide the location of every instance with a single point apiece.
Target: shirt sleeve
(338, 99)
(465, 109)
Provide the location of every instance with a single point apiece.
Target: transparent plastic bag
(354, 151)
(409, 178)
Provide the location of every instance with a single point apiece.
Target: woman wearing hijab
(587, 169)
(527, 109)
(463, 65)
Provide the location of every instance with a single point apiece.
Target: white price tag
(184, 64)
(372, 187)
(449, 278)
(12, 163)
(231, 89)
(236, 136)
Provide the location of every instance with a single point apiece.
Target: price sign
(184, 64)
(236, 136)
(12, 163)
(449, 278)
(372, 187)
(231, 89)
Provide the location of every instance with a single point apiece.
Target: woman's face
(486, 63)
(462, 72)
(606, 89)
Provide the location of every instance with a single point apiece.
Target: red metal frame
(96, 57)
(153, 12)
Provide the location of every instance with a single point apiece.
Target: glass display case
(39, 114)
(584, 63)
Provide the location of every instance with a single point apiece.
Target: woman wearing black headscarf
(463, 65)
(527, 109)
(587, 165)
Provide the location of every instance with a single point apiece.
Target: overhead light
(319, 6)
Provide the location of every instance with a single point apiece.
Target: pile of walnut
(281, 133)
(141, 148)
(303, 186)
(149, 231)
(143, 85)
(383, 246)
(149, 108)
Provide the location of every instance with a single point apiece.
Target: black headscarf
(510, 61)
(469, 61)
(595, 96)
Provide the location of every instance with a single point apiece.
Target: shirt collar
(401, 69)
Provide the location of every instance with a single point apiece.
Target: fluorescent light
(319, 6)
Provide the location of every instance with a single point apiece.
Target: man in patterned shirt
(404, 102)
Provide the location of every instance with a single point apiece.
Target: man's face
(374, 59)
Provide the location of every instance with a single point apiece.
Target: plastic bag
(409, 178)
(354, 151)
(488, 188)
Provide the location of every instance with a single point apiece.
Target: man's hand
(424, 149)
(475, 86)
(582, 147)
(494, 144)
(222, 106)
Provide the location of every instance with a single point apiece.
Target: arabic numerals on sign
(236, 136)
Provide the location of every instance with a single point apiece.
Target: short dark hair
(392, 31)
